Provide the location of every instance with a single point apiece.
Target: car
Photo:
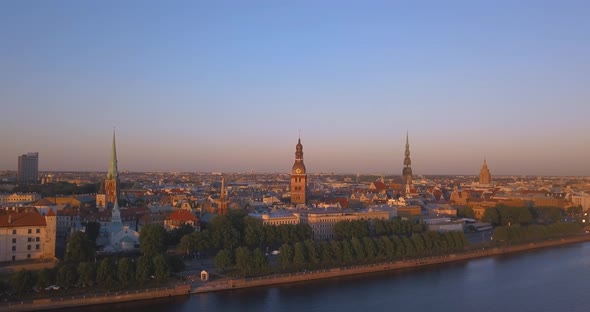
(52, 287)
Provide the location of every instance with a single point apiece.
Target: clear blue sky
(227, 85)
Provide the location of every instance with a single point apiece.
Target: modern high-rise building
(407, 171)
(298, 177)
(485, 177)
(28, 168)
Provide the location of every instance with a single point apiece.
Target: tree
(491, 215)
(125, 271)
(173, 237)
(347, 253)
(525, 217)
(336, 250)
(43, 278)
(144, 268)
(465, 212)
(359, 249)
(22, 281)
(254, 232)
(258, 260)
(67, 276)
(92, 230)
(86, 273)
(79, 248)
(285, 257)
(152, 240)
(105, 274)
(223, 232)
(313, 256)
(418, 243)
(223, 259)
(369, 247)
(244, 260)
(187, 244)
(299, 255)
(161, 268)
(175, 263)
(326, 257)
(547, 215)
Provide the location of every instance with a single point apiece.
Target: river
(555, 279)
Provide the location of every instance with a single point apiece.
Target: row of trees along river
(83, 271)
(242, 246)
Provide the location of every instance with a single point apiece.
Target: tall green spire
(113, 171)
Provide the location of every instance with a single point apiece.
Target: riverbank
(241, 283)
(231, 284)
(112, 297)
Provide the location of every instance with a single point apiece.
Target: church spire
(116, 213)
(407, 171)
(113, 171)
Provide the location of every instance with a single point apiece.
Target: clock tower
(298, 177)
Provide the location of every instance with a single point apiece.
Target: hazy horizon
(226, 86)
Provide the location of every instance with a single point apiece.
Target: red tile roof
(50, 213)
(22, 219)
(182, 215)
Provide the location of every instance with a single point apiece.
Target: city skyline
(226, 87)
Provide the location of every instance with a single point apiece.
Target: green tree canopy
(106, 273)
(23, 281)
(161, 268)
(152, 240)
(79, 248)
(144, 268)
(86, 273)
(92, 230)
(67, 276)
(223, 260)
(125, 271)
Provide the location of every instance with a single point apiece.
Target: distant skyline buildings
(112, 169)
(212, 87)
(28, 168)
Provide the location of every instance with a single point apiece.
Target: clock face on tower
(298, 170)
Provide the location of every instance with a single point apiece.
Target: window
(13, 248)
(28, 247)
(38, 231)
(13, 258)
(30, 231)
(13, 232)
(29, 256)
(37, 247)
(30, 239)
(14, 240)
(37, 239)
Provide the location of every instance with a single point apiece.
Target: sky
(229, 85)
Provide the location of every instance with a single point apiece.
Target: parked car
(52, 287)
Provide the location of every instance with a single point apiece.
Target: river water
(556, 279)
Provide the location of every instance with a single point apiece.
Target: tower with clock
(298, 177)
